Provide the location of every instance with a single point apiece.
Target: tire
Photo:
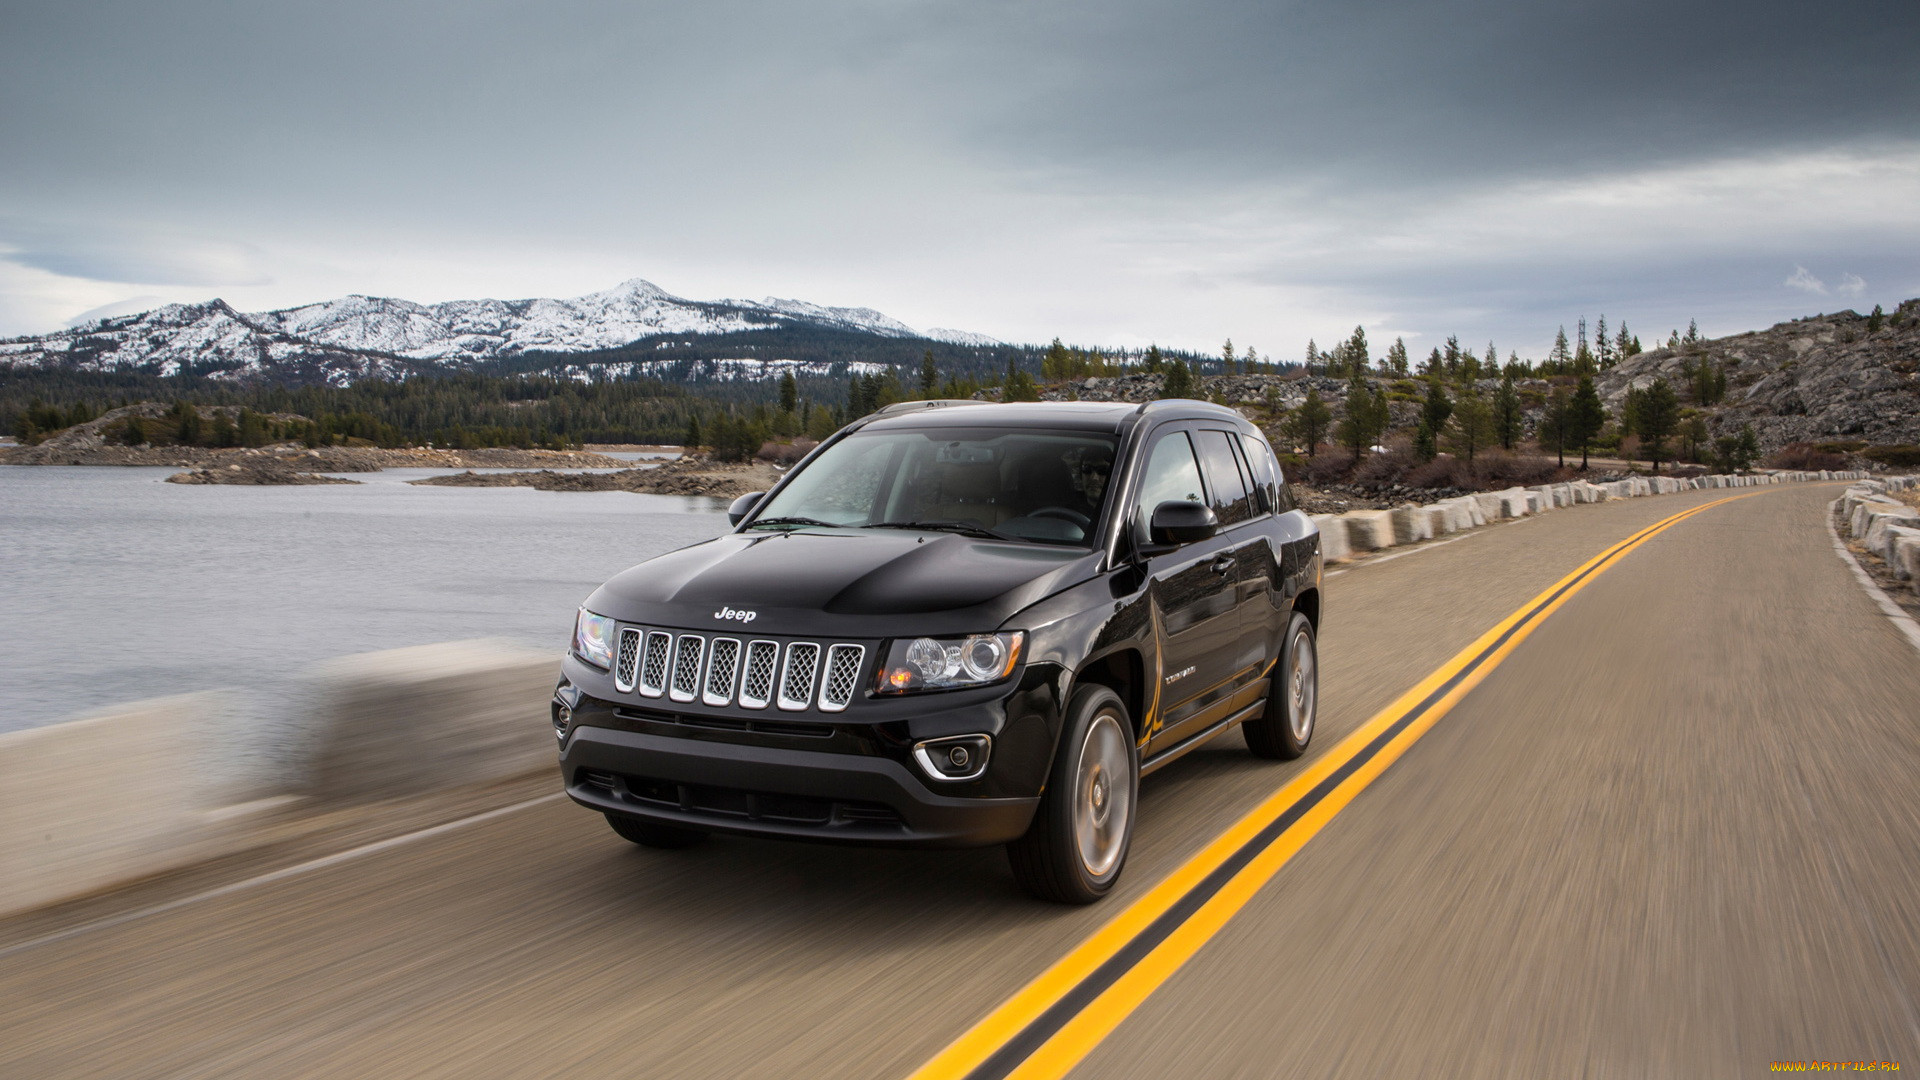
(1283, 731)
(652, 834)
(1077, 845)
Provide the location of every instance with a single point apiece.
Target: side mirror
(743, 506)
(1175, 523)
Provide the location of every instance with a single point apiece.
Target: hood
(855, 583)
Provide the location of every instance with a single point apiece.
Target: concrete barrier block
(1439, 520)
(1369, 530)
(107, 799)
(1906, 559)
(410, 720)
(1411, 524)
(1882, 531)
(1862, 517)
(1333, 538)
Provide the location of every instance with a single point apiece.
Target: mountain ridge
(358, 336)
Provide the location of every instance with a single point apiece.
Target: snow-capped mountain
(359, 337)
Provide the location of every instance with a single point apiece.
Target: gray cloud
(1116, 170)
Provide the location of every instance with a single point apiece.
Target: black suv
(956, 624)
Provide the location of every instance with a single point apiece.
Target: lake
(115, 585)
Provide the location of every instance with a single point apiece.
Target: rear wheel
(1078, 842)
(654, 835)
(1293, 698)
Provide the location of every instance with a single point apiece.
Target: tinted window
(1266, 471)
(1044, 487)
(1229, 485)
(1172, 476)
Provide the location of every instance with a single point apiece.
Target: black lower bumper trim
(780, 793)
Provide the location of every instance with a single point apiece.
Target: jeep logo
(737, 616)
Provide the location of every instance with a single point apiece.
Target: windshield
(1019, 485)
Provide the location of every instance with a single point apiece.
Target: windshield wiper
(795, 521)
(966, 528)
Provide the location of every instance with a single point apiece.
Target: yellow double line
(1051, 1024)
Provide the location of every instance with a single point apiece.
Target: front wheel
(1073, 851)
(1293, 698)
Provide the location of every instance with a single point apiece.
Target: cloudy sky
(1117, 172)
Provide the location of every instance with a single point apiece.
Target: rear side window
(1266, 473)
(1172, 476)
(1231, 501)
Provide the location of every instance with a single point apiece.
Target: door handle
(1222, 564)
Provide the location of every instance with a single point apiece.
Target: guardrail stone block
(432, 716)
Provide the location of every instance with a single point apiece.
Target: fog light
(956, 757)
(562, 720)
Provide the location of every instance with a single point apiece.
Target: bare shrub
(1330, 467)
(1444, 471)
(1802, 455)
(1386, 468)
(1499, 469)
(786, 453)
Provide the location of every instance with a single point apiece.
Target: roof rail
(1148, 406)
(932, 403)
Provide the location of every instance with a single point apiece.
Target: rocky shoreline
(696, 475)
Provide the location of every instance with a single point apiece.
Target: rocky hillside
(1824, 378)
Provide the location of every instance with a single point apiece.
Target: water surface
(116, 586)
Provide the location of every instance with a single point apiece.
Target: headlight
(948, 663)
(593, 639)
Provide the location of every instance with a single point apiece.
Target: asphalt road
(1674, 833)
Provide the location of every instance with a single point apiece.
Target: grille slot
(727, 723)
(843, 676)
(653, 665)
(628, 663)
(688, 651)
(796, 675)
(723, 667)
(756, 683)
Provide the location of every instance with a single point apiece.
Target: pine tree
(1508, 419)
(1693, 333)
(1250, 361)
(692, 438)
(1154, 359)
(1308, 423)
(1434, 412)
(1366, 417)
(1747, 449)
(1359, 355)
(1560, 356)
(1557, 422)
(1397, 358)
(1472, 425)
(1313, 355)
(929, 375)
(1586, 415)
(1654, 413)
(1623, 343)
(1226, 357)
(790, 390)
(1873, 320)
(1178, 380)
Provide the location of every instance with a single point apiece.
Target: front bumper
(778, 792)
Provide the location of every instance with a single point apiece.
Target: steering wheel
(1064, 514)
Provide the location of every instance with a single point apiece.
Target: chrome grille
(687, 654)
(843, 676)
(796, 675)
(756, 683)
(653, 667)
(723, 666)
(628, 661)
